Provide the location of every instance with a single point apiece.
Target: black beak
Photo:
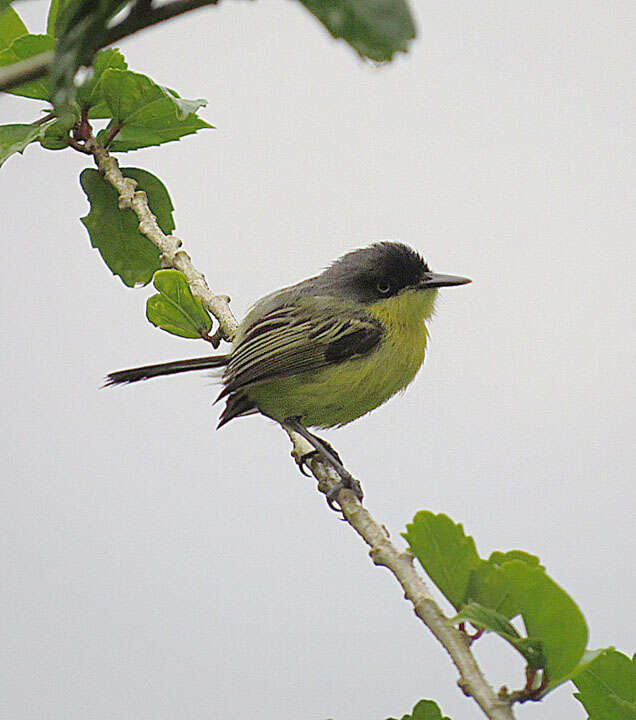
(435, 280)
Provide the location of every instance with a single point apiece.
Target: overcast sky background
(156, 569)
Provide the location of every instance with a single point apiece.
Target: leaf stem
(142, 15)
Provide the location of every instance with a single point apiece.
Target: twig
(30, 69)
(141, 16)
(400, 564)
(169, 245)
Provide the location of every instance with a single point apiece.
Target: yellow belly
(338, 394)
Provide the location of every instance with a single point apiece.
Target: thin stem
(30, 69)
(142, 15)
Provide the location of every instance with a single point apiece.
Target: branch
(382, 551)
(141, 15)
(30, 69)
(169, 245)
(400, 564)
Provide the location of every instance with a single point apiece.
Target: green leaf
(499, 558)
(15, 138)
(51, 18)
(445, 552)
(149, 115)
(607, 686)
(4, 4)
(488, 619)
(56, 8)
(424, 710)
(489, 586)
(90, 93)
(552, 620)
(158, 196)
(115, 233)
(22, 48)
(550, 615)
(11, 27)
(376, 29)
(175, 309)
(56, 135)
(494, 591)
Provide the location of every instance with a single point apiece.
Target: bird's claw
(302, 461)
(349, 483)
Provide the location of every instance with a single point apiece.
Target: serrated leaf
(175, 309)
(147, 113)
(115, 233)
(445, 552)
(489, 619)
(607, 686)
(89, 94)
(424, 710)
(376, 29)
(11, 27)
(22, 48)
(15, 138)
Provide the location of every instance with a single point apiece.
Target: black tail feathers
(171, 368)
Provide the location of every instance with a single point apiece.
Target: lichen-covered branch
(171, 254)
(401, 566)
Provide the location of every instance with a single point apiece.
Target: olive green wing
(297, 338)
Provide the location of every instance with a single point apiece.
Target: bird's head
(387, 275)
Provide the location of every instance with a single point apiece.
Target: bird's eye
(383, 287)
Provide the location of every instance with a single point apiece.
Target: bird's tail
(171, 368)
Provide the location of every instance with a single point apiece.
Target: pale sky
(156, 569)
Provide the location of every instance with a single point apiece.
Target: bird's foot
(324, 451)
(302, 460)
(347, 482)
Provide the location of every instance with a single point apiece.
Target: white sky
(156, 569)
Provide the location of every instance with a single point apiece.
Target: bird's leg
(324, 450)
(302, 461)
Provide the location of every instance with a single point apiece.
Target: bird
(327, 350)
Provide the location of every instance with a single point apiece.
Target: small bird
(327, 350)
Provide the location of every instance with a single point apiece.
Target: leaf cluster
(139, 112)
(490, 593)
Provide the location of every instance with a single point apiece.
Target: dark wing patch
(298, 338)
(358, 342)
